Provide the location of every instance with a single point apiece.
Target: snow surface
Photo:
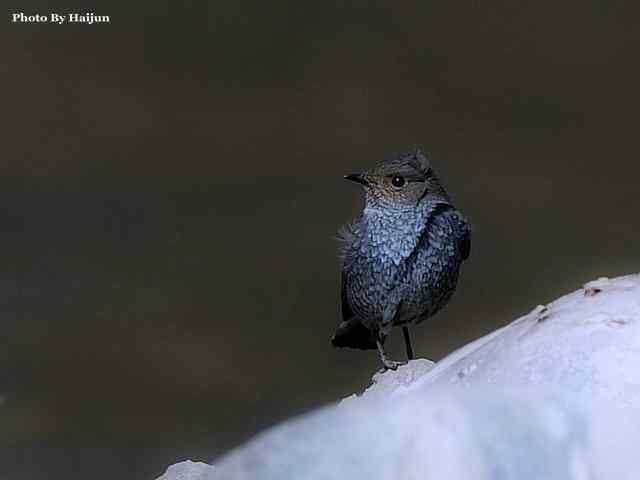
(553, 395)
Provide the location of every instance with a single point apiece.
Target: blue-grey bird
(401, 256)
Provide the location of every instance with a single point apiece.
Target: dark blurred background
(171, 188)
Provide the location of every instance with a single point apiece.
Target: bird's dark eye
(398, 181)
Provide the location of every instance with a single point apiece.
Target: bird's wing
(456, 223)
(347, 313)
(462, 230)
(351, 332)
(465, 238)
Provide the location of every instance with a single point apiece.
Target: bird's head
(401, 182)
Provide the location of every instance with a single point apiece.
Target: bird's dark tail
(353, 334)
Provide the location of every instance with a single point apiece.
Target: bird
(401, 256)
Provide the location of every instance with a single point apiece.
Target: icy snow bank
(554, 395)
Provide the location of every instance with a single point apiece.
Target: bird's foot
(386, 363)
(390, 365)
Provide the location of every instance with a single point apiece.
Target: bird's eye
(398, 181)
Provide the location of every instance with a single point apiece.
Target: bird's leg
(388, 319)
(407, 342)
(386, 363)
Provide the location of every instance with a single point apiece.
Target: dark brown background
(171, 188)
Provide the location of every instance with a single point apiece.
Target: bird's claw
(390, 365)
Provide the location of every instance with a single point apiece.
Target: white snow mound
(187, 470)
(553, 395)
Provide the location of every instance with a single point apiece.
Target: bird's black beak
(356, 177)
